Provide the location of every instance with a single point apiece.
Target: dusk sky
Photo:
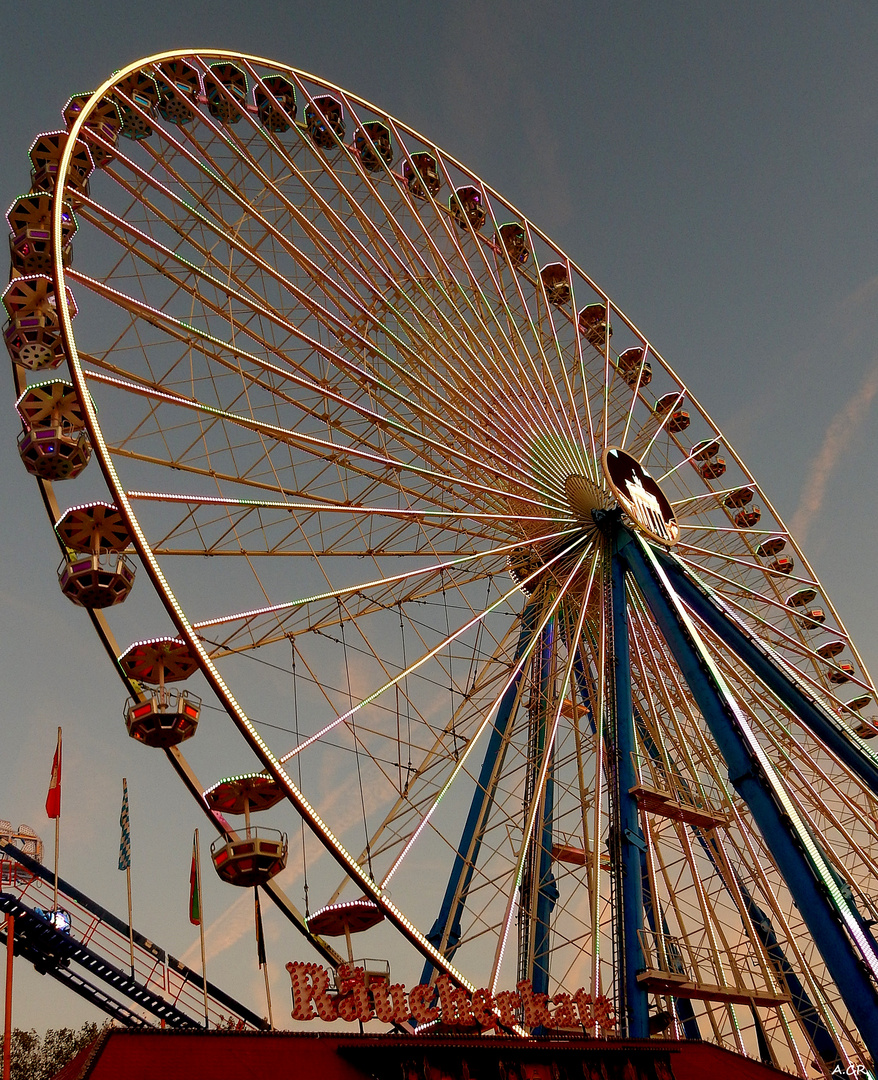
(712, 166)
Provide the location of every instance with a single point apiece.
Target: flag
(194, 888)
(53, 799)
(260, 934)
(125, 843)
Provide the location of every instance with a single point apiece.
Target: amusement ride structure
(481, 601)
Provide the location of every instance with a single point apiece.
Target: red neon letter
(535, 1012)
(418, 998)
(310, 982)
(507, 1001)
(391, 1006)
(456, 1008)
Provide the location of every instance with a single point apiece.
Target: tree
(40, 1059)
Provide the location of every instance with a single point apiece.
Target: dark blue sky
(712, 166)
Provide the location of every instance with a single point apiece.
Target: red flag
(194, 891)
(53, 799)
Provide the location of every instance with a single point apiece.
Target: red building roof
(183, 1055)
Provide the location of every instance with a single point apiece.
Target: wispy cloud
(838, 437)
(858, 310)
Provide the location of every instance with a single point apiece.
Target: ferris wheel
(469, 577)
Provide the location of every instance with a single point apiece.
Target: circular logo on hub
(640, 496)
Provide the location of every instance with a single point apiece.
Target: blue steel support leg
(632, 842)
(547, 890)
(447, 924)
(859, 757)
(849, 959)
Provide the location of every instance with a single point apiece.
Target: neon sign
(357, 997)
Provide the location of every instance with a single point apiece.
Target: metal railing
(688, 791)
(106, 935)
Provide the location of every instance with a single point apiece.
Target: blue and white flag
(125, 845)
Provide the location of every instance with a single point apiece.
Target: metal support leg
(546, 889)
(7, 1014)
(636, 1018)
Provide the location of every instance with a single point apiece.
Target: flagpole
(57, 829)
(130, 921)
(125, 863)
(7, 1027)
(201, 926)
(268, 995)
(57, 846)
(260, 954)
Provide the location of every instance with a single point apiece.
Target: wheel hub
(583, 496)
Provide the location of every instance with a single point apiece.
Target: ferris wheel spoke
(428, 655)
(583, 458)
(541, 770)
(424, 816)
(396, 425)
(592, 455)
(523, 386)
(567, 403)
(793, 645)
(391, 582)
(413, 795)
(798, 643)
(735, 586)
(440, 517)
(503, 349)
(377, 239)
(644, 453)
(744, 601)
(251, 297)
(422, 786)
(359, 587)
(607, 380)
(675, 468)
(460, 884)
(332, 451)
(543, 375)
(687, 752)
(726, 530)
(690, 504)
(769, 572)
(586, 438)
(635, 398)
